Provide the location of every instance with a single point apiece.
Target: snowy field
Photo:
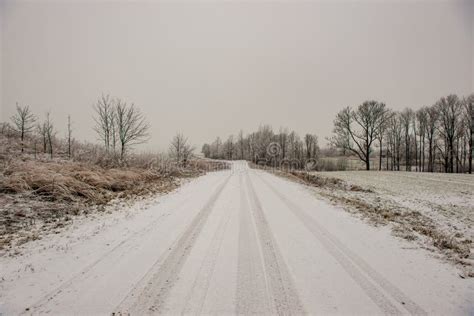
(435, 210)
(448, 198)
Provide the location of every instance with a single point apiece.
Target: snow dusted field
(240, 241)
(447, 198)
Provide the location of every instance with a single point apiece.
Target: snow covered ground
(448, 198)
(236, 241)
(435, 210)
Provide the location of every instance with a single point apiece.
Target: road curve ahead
(239, 241)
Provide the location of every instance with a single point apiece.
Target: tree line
(265, 145)
(436, 138)
(24, 123)
(118, 126)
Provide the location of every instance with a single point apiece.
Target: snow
(446, 198)
(231, 241)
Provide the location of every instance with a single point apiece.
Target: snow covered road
(237, 241)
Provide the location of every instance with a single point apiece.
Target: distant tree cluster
(119, 126)
(25, 124)
(433, 138)
(265, 145)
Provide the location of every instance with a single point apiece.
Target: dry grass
(70, 181)
(334, 183)
(40, 196)
(46, 194)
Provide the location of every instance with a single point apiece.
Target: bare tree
(381, 133)
(241, 142)
(263, 138)
(206, 150)
(229, 148)
(283, 141)
(430, 128)
(396, 134)
(356, 130)
(251, 147)
(113, 130)
(461, 146)
(292, 145)
(216, 148)
(422, 118)
(132, 127)
(23, 121)
(41, 128)
(180, 150)
(69, 136)
(49, 132)
(311, 146)
(406, 119)
(105, 120)
(469, 113)
(449, 125)
(187, 154)
(415, 132)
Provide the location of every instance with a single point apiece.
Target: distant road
(233, 242)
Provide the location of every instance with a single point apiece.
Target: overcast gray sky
(213, 68)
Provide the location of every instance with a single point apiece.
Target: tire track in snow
(84, 273)
(352, 263)
(280, 283)
(123, 246)
(198, 292)
(155, 286)
(252, 291)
